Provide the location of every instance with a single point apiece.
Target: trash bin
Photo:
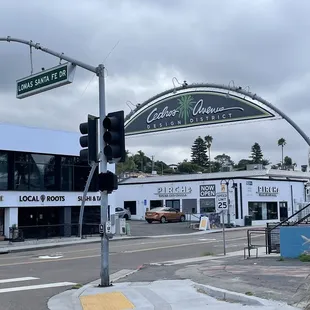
(248, 220)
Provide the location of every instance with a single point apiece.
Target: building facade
(42, 182)
(266, 195)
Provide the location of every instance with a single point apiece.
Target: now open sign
(207, 190)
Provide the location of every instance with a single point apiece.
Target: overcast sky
(262, 44)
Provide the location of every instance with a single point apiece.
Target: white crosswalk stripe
(17, 279)
(29, 287)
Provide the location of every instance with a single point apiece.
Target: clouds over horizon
(258, 44)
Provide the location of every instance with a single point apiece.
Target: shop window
(131, 206)
(174, 204)
(207, 205)
(262, 211)
(189, 206)
(156, 204)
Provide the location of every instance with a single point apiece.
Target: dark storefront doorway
(91, 220)
(40, 222)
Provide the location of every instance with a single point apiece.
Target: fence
(52, 231)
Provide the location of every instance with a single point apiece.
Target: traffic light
(114, 137)
(107, 182)
(89, 140)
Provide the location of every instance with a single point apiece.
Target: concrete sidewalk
(29, 245)
(159, 295)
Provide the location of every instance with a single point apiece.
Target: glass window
(3, 170)
(156, 204)
(175, 204)
(262, 211)
(189, 205)
(207, 205)
(35, 172)
(67, 173)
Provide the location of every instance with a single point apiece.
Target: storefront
(266, 195)
(34, 212)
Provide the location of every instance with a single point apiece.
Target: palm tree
(282, 142)
(185, 106)
(209, 140)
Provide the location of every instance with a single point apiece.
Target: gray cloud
(257, 43)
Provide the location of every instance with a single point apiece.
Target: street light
(234, 185)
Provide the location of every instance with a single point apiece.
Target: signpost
(45, 80)
(222, 207)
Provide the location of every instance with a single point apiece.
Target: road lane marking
(123, 252)
(18, 279)
(118, 246)
(34, 287)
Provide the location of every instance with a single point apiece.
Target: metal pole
(104, 270)
(48, 51)
(93, 168)
(224, 238)
(228, 201)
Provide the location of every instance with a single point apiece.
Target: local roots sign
(193, 108)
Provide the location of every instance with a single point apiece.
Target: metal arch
(237, 89)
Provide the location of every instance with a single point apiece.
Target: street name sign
(221, 202)
(45, 80)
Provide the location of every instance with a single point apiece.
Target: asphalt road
(81, 264)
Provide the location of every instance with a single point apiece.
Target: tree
(288, 161)
(209, 140)
(256, 154)
(282, 142)
(242, 164)
(188, 167)
(199, 153)
(223, 160)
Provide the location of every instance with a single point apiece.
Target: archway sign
(201, 105)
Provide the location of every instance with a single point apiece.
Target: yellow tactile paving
(106, 301)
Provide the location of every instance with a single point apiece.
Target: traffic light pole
(104, 274)
(103, 165)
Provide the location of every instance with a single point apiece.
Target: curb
(229, 296)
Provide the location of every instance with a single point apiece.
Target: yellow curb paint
(106, 301)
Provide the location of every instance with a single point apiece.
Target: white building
(266, 195)
(42, 183)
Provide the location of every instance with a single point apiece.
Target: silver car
(123, 213)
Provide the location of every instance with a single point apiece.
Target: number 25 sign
(221, 202)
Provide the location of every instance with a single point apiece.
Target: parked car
(123, 213)
(164, 214)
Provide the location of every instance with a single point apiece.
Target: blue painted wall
(294, 241)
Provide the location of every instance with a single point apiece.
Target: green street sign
(45, 80)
